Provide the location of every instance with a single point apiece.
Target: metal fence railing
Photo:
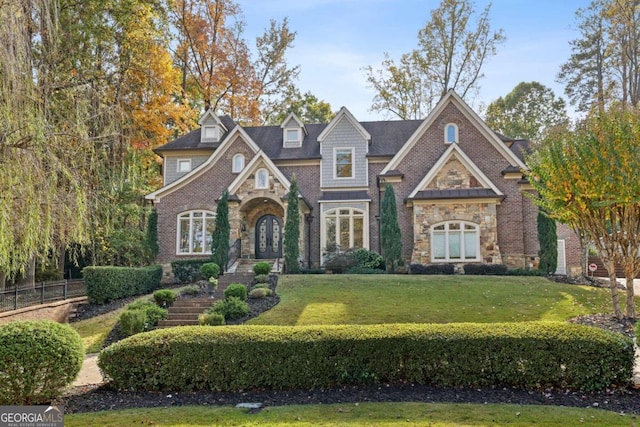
(15, 297)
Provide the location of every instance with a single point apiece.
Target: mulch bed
(103, 397)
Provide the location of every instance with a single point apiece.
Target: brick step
(171, 323)
(191, 302)
(188, 310)
(183, 316)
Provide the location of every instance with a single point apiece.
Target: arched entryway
(268, 237)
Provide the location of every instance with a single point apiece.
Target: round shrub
(211, 319)
(153, 315)
(191, 290)
(164, 297)
(132, 322)
(209, 270)
(261, 278)
(38, 360)
(262, 267)
(140, 304)
(236, 290)
(259, 293)
(231, 308)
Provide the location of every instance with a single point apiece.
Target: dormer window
(210, 133)
(238, 163)
(262, 179)
(184, 165)
(292, 138)
(451, 134)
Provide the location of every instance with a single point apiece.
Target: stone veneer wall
(483, 214)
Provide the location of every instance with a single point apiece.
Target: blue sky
(337, 38)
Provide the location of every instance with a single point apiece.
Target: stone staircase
(245, 265)
(185, 311)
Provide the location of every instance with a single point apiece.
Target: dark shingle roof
(466, 193)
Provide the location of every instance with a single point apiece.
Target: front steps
(245, 265)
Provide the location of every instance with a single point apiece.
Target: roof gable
(258, 161)
(454, 152)
(344, 114)
(210, 118)
(211, 161)
(452, 98)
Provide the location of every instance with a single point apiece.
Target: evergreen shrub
(261, 278)
(190, 290)
(485, 269)
(211, 319)
(187, 270)
(105, 284)
(231, 308)
(164, 297)
(257, 293)
(132, 322)
(237, 290)
(38, 360)
(432, 269)
(209, 270)
(529, 355)
(262, 267)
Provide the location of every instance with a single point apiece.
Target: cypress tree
(548, 243)
(220, 236)
(151, 236)
(390, 233)
(292, 230)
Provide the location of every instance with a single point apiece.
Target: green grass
(370, 299)
(357, 415)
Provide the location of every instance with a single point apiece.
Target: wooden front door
(268, 237)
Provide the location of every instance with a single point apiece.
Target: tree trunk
(3, 281)
(630, 272)
(29, 281)
(613, 284)
(62, 253)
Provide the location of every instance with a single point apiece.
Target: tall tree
(307, 107)
(548, 239)
(589, 178)
(220, 237)
(292, 230)
(391, 238)
(450, 56)
(527, 112)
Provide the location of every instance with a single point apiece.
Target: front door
(268, 237)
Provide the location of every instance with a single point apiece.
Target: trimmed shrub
(187, 270)
(190, 290)
(231, 308)
(105, 284)
(364, 270)
(485, 269)
(312, 271)
(256, 293)
(236, 290)
(338, 263)
(211, 319)
(262, 267)
(525, 272)
(368, 259)
(132, 322)
(209, 270)
(529, 355)
(432, 269)
(38, 360)
(164, 297)
(261, 278)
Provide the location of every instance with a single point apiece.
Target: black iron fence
(15, 297)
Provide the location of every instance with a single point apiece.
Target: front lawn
(370, 299)
(358, 415)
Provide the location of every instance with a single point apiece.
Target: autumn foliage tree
(589, 178)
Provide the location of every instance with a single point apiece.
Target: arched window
(450, 133)
(238, 163)
(262, 178)
(344, 229)
(455, 241)
(194, 232)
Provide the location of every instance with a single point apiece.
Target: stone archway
(252, 212)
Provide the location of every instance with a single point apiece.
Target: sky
(336, 39)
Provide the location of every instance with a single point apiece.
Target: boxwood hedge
(38, 360)
(105, 284)
(234, 358)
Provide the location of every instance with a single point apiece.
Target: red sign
(592, 267)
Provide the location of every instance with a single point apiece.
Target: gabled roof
(209, 114)
(192, 140)
(344, 114)
(252, 166)
(455, 151)
(295, 118)
(452, 97)
(212, 160)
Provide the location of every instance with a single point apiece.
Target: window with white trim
(262, 178)
(210, 134)
(343, 160)
(451, 133)
(184, 165)
(292, 137)
(194, 232)
(454, 241)
(238, 163)
(344, 228)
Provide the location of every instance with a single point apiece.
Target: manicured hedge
(527, 355)
(432, 269)
(188, 270)
(38, 360)
(105, 284)
(485, 269)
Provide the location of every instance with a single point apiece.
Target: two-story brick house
(459, 188)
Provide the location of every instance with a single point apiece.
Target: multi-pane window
(455, 241)
(450, 133)
(262, 178)
(344, 162)
(195, 229)
(238, 163)
(344, 228)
